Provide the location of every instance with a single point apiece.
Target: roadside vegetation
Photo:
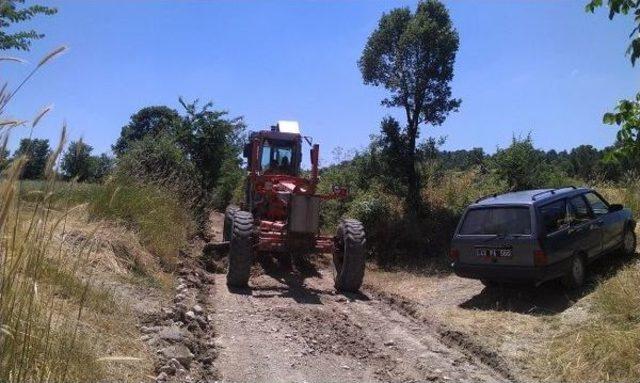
(172, 167)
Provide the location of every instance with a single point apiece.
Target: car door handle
(596, 225)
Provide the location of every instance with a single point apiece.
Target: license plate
(493, 252)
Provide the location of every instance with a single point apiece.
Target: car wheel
(576, 275)
(489, 283)
(629, 242)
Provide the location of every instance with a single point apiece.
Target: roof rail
(492, 195)
(552, 191)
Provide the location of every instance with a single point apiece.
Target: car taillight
(539, 258)
(454, 254)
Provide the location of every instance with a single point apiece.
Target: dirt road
(292, 326)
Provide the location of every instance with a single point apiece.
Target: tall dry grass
(40, 327)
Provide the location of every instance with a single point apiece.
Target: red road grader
(281, 211)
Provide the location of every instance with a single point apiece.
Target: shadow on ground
(549, 298)
(292, 272)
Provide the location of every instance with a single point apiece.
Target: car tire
(240, 250)
(349, 256)
(489, 283)
(575, 277)
(629, 242)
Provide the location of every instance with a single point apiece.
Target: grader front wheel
(228, 222)
(240, 249)
(349, 255)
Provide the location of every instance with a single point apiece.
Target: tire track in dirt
(292, 326)
(448, 336)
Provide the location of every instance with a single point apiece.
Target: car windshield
(498, 221)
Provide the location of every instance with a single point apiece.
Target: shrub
(522, 166)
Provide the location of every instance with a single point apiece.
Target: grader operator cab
(281, 211)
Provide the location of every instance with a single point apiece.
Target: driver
(284, 164)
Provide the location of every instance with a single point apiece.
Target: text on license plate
(493, 253)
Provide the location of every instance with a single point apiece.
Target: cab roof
(274, 135)
(528, 197)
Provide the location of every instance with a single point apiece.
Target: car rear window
(497, 220)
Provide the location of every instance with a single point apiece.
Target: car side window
(598, 206)
(554, 216)
(579, 210)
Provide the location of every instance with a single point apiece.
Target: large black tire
(349, 255)
(228, 222)
(489, 283)
(575, 277)
(629, 242)
(240, 250)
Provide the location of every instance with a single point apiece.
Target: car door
(556, 240)
(585, 231)
(612, 226)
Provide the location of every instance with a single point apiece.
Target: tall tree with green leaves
(627, 112)
(37, 151)
(11, 13)
(77, 162)
(212, 139)
(520, 165)
(412, 56)
(151, 120)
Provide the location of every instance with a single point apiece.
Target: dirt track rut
(292, 326)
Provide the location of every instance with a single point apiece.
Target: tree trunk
(413, 200)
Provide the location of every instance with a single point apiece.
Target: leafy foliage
(627, 114)
(211, 141)
(76, 162)
(584, 162)
(79, 164)
(149, 121)
(11, 13)
(627, 117)
(521, 165)
(623, 7)
(195, 155)
(103, 165)
(37, 151)
(412, 56)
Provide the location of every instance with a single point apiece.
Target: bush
(523, 167)
(159, 162)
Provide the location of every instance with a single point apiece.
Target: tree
(102, 166)
(412, 56)
(583, 162)
(37, 151)
(627, 115)
(152, 120)
(521, 165)
(10, 14)
(623, 7)
(211, 141)
(78, 162)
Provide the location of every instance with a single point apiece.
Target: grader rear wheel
(349, 255)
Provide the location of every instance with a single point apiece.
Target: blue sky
(541, 66)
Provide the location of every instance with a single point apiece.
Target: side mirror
(615, 207)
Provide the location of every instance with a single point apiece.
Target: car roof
(528, 197)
